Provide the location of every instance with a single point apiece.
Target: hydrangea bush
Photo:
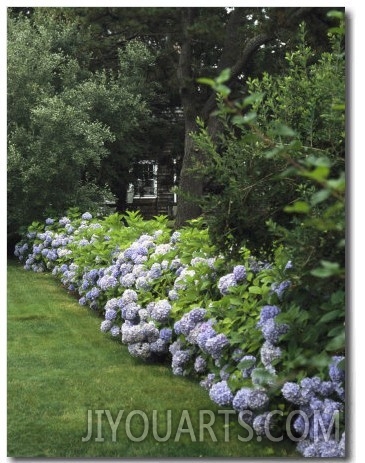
(169, 296)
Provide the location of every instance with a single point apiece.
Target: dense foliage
(65, 121)
(173, 297)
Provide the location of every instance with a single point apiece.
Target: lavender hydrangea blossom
(207, 382)
(161, 311)
(166, 334)
(247, 398)
(215, 345)
(200, 364)
(267, 312)
(336, 374)
(239, 273)
(272, 330)
(221, 394)
(226, 282)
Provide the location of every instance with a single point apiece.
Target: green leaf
(300, 207)
(320, 196)
(328, 269)
(331, 316)
(223, 90)
(262, 377)
(335, 14)
(319, 174)
(235, 301)
(206, 81)
(337, 343)
(254, 98)
(244, 364)
(284, 131)
(224, 76)
(246, 119)
(255, 290)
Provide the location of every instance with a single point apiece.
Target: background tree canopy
(92, 89)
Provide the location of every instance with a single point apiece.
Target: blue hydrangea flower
(107, 282)
(239, 272)
(112, 304)
(110, 314)
(336, 374)
(166, 334)
(130, 311)
(289, 265)
(86, 216)
(175, 264)
(175, 237)
(161, 311)
(247, 398)
(115, 331)
(206, 332)
(180, 358)
(177, 327)
(280, 288)
(94, 293)
(207, 382)
(162, 249)
(132, 334)
(292, 393)
(200, 364)
(64, 221)
(159, 346)
(128, 296)
(173, 295)
(272, 330)
(224, 375)
(175, 346)
(125, 268)
(268, 354)
(323, 449)
(106, 325)
(226, 282)
(143, 314)
(143, 283)
(155, 271)
(190, 320)
(267, 312)
(214, 346)
(141, 350)
(127, 280)
(49, 221)
(221, 394)
(261, 425)
(150, 332)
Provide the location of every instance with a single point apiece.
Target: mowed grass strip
(61, 369)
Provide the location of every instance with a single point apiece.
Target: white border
(356, 174)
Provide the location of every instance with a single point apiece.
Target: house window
(145, 183)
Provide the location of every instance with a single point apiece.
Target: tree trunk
(191, 183)
(236, 53)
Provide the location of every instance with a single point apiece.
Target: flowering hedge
(169, 296)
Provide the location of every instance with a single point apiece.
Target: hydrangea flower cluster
(247, 398)
(271, 331)
(142, 288)
(320, 401)
(221, 394)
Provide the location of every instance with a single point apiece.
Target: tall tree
(63, 119)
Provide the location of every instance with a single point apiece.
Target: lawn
(63, 372)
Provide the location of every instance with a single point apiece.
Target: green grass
(60, 366)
